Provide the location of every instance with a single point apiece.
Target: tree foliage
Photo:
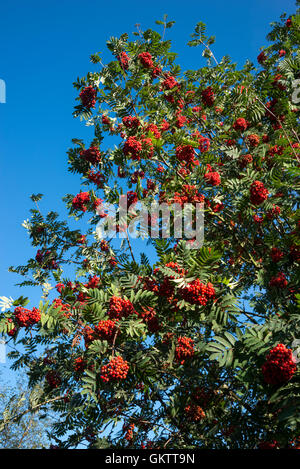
(180, 353)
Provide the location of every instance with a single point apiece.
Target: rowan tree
(193, 349)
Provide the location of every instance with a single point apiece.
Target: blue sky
(44, 47)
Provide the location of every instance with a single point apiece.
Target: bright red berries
(45, 259)
(104, 245)
(258, 193)
(146, 59)
(213, 178)
(123, 59)
(149, 317)
(81, 201)
(106, 330)
(185, 153)
(65, 308)
(240, 124)
(279, 366)
(92, 155)
(208, 96)
(184, 349)
(131, 122)
(189, 194)
(204, 144)
(275, 210)
(154, 130)
(115, 370)
(93, 282)
(129, 432)
(261, 58)
(26, 317)
(194, 412)
(288, 23)
(96, 177)
(279, 281)
(253, 140)
(197, 293)
(119, 307)
(268, 445)
(79, 365)
(169, 83)
(156, 71)
(133, 148)
(276, 254)
(88, 97)
(245, 160)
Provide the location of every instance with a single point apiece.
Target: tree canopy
(198, 347)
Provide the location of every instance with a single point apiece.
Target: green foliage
(191, 331)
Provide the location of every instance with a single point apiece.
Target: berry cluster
(240, 124)
(96, 177)
(184, 349)
(185, 153)
(131, 122)
(88, 97)
(26, 317)
(194, 412)
(116, 369)
(120, 308)
(189, 194)
(275, 210)
(261, 58)
(154, 130)
(88, 335)
(245, 160)
(268, 445)
(106, 330)
(253, 140)
(213, 178)
(279, 281)
(169, 83)
(149, 317)
(258, 193)
(279, 366)
(132, 198)
(53, 379)
(92, 155)
(104, 245)
(45, 259)
(208, 96)
(129, 431)
(93, 282)
(80, 201)
(166, 288)
(204, 144)
(276, 254)
(146, 59)
(79, 365)
(64, 308)
(123, 59)
(133, 148)
(197, 293)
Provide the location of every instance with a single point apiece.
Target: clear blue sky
(44, 47)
